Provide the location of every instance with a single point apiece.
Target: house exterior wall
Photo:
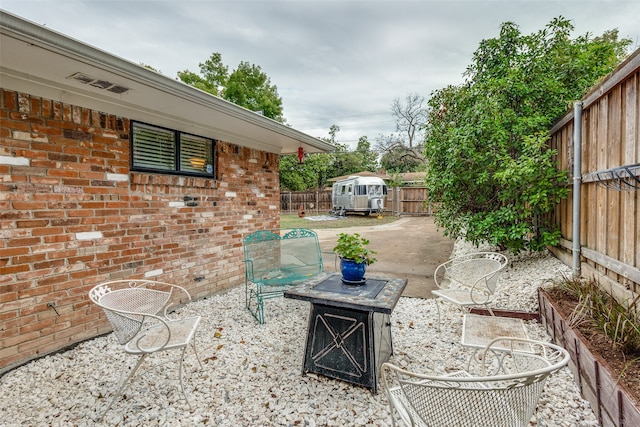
(72, 215)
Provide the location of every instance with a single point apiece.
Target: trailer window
(361, 190)
(376, 190)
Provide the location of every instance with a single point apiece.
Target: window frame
(178, 152)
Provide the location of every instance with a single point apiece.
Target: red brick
(32, 224)
(67, 192)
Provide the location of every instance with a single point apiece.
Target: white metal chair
(501, 387)
(139, 313)
(468, 280)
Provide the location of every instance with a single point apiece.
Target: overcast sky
(337, 62)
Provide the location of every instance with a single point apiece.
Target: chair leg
(195, 351)
(260, 309)
(247, 294)
(437, 301)
(124, 385)
(258, 312)
(181, 369)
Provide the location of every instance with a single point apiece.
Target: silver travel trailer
(364, 194)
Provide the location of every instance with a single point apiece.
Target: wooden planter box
(610, 400)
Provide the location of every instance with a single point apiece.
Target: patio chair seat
(154, 338)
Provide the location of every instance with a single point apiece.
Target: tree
(403, 152)
(313, 172)
(212, 78)
(342, 161)
(309, 174)
(251, 88)
(402, 159)
(489, 165)
(247, 86)
(368, 157)
(410, 118)
(316, 169)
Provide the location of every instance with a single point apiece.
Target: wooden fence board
(610, 219)
(614, 145)
(402, 201)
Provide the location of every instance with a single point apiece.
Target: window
(377, 190)
(157, 149)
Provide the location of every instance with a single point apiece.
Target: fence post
(393, 202)
(577, 182)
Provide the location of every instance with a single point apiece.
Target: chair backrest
(127, 303)
(505, 395)
(294, 252)
(478, 270)
(300, 250)
(262, 248)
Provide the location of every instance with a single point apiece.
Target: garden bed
(605, 376)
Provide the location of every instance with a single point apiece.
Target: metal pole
(577, 181)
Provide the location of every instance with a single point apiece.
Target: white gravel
(252, 373)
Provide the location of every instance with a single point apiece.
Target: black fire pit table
(349, 333)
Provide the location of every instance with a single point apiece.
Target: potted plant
(354, 257)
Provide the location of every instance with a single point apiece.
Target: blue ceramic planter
(351, 270)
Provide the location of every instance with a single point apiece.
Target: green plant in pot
(354, 257)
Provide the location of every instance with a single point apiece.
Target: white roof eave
(39, 61)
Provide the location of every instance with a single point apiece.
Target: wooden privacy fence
(399, 201)
(608, 128)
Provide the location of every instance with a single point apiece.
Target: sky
(339, 62)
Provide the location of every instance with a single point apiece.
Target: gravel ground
(252, 373)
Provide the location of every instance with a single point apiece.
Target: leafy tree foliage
(489, 165)
(212, 78)
(311, 173)
(317, 169)
(247, 86)
(403, 159)
(251, 88)
(368, 158)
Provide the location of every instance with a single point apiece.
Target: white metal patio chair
(500, 389)
(139, 313)
(468, 280)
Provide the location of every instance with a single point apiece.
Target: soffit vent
(100, 84)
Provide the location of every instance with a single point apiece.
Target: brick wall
(72, 215)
